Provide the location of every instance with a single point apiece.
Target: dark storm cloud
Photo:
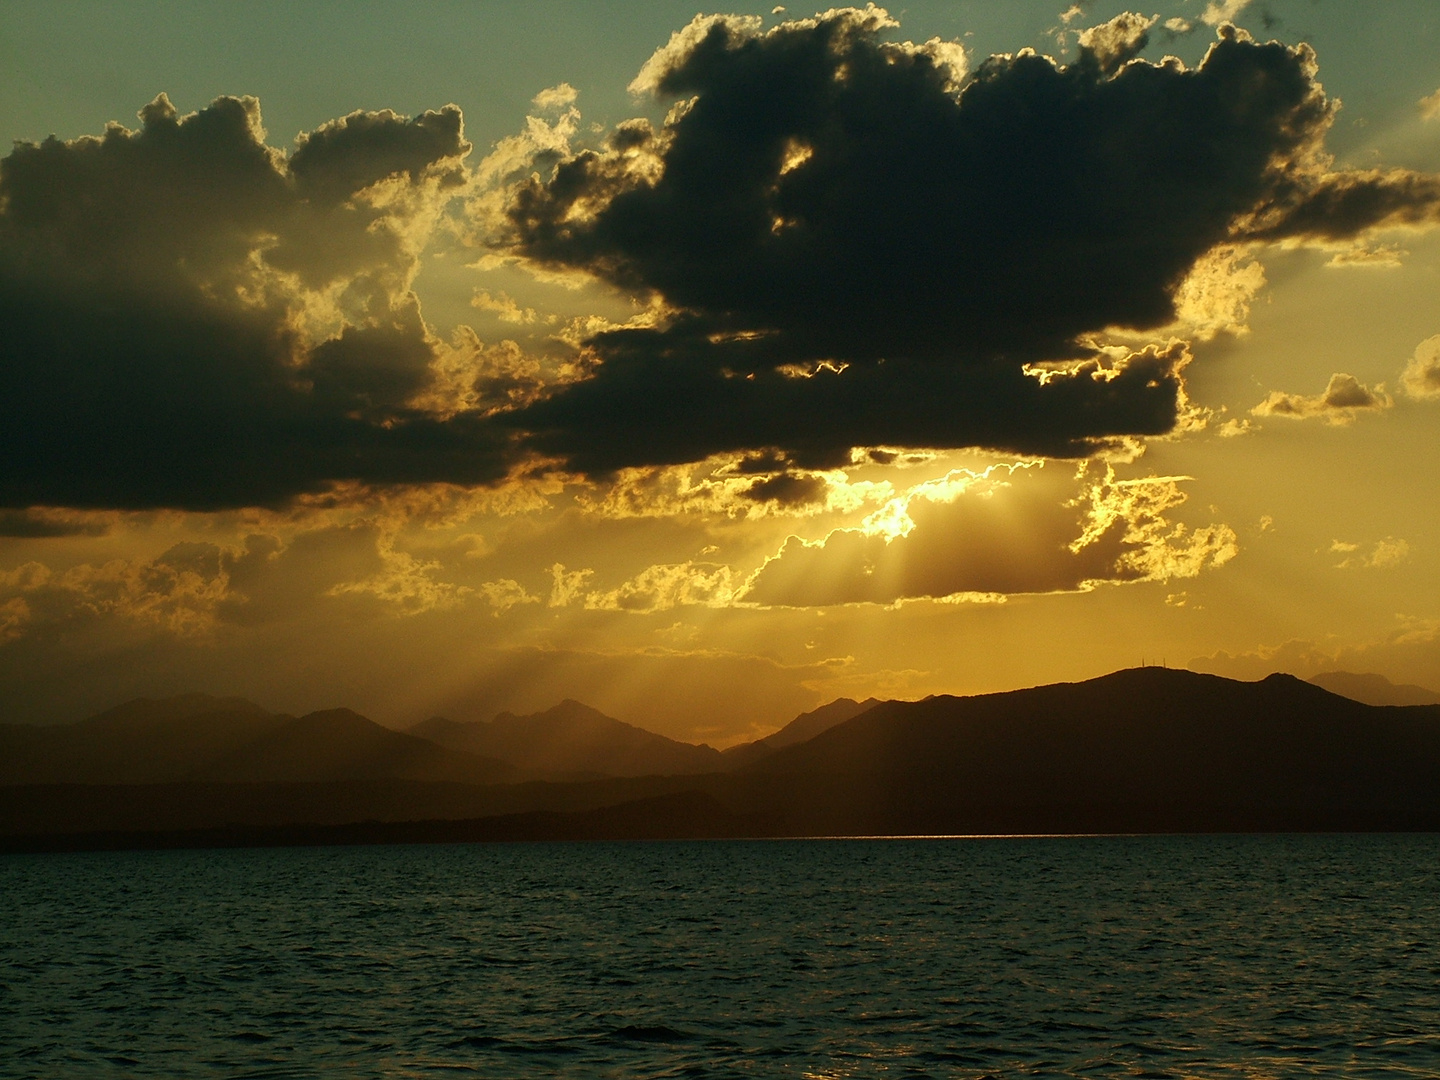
(33, 525)
(788, 489)
(1339, 206)
(143, 206)
(825, 200)
(153, 351)
(857, 247)
(657, 400)
(344, 156)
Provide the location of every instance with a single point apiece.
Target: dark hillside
(1147, 747)
(1144, 750)
(803, 728)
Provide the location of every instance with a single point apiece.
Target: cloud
(1115, 43)
(1329, 207)
(345, 157)
(558, 97)
(504, 306)
(411, 586)
(1343, 398)
(1222, 11)
(194, 319)
(265, 625)
(1365, 254)
(408, 585)
(567, 586)
(1382, 555)
(43, 522)
(353, 571)
(1421, 377)
(1430, 106)
(662, 587)
(753, 487)
(838, 241)
(856, 247)
(179, 591)
(1410, 653)
(1216, 295)
(986, 535)
(542, 140)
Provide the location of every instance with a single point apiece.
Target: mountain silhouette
(200, 738)
(571, 741)
(1374, 689)
(1142, 750)
(803, 728)
(337, 744)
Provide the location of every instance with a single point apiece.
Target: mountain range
(195, 738)
(198, 738)
(1374, 689)
(571, 742)
(1147, 749)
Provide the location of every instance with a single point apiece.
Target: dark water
(1080, 957)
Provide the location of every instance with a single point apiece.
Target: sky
(456, 358)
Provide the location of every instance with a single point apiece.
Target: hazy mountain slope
(201, 738)
(572, 740)
(803, 728)
(1145, 744)
(1374, 689)
(141, 741)
(149, 713)
(1145, 750)
(338, 744)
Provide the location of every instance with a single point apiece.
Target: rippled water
(1076, 957)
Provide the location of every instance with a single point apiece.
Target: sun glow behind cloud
(609, 461)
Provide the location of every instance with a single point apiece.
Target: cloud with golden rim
(1430, 106)
(179, 592)
(1381, 555)
(825, 203)
(195, 319)
(836, 241)
(1343, 398)
(1004, 531)
(1410, 652)
(1222, 11)
(1421, 377)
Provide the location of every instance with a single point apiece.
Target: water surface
(1061, 957)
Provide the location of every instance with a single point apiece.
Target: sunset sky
(452, 358)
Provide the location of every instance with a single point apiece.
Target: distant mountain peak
(170, 709)
(572, 740)
(568, 708)
(802, 729)
(1374, 689)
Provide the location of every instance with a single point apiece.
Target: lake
(1201, 956)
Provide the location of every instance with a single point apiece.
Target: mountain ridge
(1373, 689)
(803, 728)
(1138, 743)
(196, 738)
(1138, 750)
(571, 740)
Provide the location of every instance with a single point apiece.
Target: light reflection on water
(1180, 957)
